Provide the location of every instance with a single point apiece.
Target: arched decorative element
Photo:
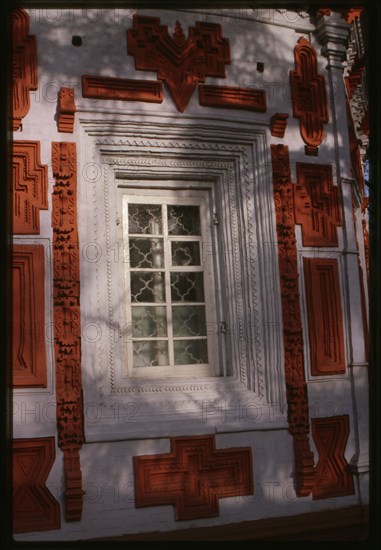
(309, 96)
(67, 329)
(24, 60)
(180, 62)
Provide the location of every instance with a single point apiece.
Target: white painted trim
(237, 167)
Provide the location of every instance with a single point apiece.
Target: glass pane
(184, 220)
(153, 353)
(144, 218)
(188, 321)
(146, 252)
(149, 321)
(187, 287)
(147, 287)
(185, 253)
(190, 352)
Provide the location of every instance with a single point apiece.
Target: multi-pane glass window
(169, 306)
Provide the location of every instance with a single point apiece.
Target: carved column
(332, 32)
(67, 339)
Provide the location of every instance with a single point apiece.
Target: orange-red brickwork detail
(309, 96)
(67, 328)
(34, 507)
(24, 59)
(66, 110)
(29, 355)
(181, 62)
(325, 322)
(317, 205)
(333, 477)
(30, 187)
(193, 476)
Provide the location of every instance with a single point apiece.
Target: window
(169, 282)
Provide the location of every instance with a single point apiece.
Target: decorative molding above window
(232, 171)
(180, 62)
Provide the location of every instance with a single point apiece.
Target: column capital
(332, 31)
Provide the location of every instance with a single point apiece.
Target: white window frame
(144, 194)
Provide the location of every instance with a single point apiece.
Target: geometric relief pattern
(34, 507)
(333, 474)
(180, 62)
(325, 323)
(193, 476)
(309, 96)
(317, 205)
(296, 387)
(67, 333)
(29, 356)
(24, 60)
(30, 187)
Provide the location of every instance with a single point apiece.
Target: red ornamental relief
(122, 89)
(30, 187)
(34, 507)
(296, 388)
(66, 110)
(317, 205)
(228, 97)
(309, 96)
(29, 355)
(193, 476)
(67, 341)
(333, 474)
(307, 475)
(180, 62)
(349, 14)
(325, 323)
(278, 124)
(24, 59)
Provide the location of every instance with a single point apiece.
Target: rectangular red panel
(29, 355)
(102, 87)
(333, 474)
(231, 97)
(325, 321)
(34, 507)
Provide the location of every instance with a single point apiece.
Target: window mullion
(167, 266)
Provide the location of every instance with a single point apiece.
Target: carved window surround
(228, 162)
